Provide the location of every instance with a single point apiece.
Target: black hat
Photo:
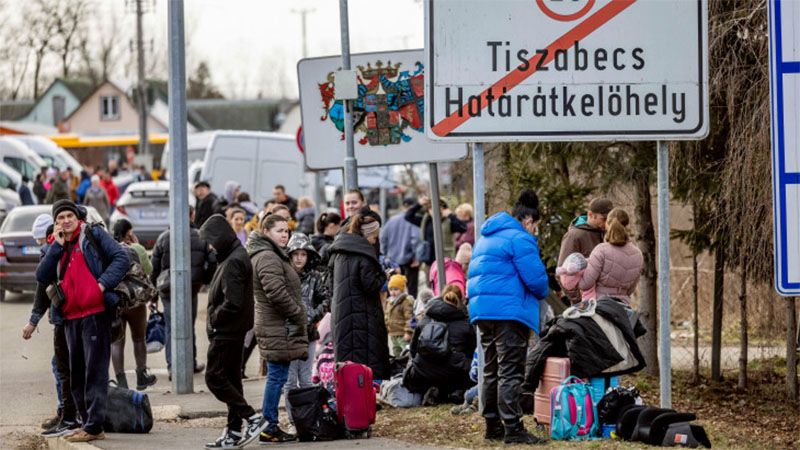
(121, 228)
(65, 205)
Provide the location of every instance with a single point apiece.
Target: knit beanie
(397, 282)
(39, 229)
(65, 205)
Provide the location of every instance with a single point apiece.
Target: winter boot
(517, 434)
(122, 380)
(144, 379)
(494, 430)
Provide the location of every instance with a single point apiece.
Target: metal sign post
(182, 326)
(436, 214)
(665, 361)
(350, 164)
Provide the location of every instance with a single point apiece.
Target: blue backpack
(573, 415)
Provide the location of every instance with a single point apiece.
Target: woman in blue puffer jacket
(506, 281)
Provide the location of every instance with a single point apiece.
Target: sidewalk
(190, 421)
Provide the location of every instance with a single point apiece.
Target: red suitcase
(355, 397)
(556, 370)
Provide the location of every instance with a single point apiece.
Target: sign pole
(350, 164)
(665, 362)
(479, 196)
(436, 213)
(180, 277)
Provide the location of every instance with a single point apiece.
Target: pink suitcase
(355, 397)
(556, 370)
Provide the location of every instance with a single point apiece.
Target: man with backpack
(83, 288)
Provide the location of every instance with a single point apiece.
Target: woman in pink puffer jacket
(614, 266)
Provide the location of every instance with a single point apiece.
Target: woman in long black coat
(359, 330)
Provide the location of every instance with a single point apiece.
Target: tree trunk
(791, 349)
(695, 322)
(37, 67)
(743, 335)
(716, 312)
(648, 305)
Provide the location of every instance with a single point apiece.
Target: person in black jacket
(328, 225)
(359, 329)
(203, 263)
(206, 203)
(230, 315)
(421, 216)
(439, 376)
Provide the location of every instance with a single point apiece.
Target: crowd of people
(294, 283)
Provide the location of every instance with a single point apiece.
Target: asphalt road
(27, 390)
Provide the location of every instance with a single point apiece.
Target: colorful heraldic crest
(390, 101)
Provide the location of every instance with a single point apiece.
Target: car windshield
(20, 220)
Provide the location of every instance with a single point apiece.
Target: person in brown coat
(584, 234)
(280, 315)
(399, 312)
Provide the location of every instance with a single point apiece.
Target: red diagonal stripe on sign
(510, 81)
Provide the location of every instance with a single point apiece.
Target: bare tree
(99, 46)
(38, 35)
(68, 18)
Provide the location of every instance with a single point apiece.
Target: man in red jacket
(84, 276)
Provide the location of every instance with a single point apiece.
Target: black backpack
(433, 340)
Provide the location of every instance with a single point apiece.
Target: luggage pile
(348, 413)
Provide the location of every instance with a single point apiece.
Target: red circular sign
(299, 139)
(565, 17)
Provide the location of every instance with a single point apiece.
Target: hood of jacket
(219, 234)
(499, 222)
(438, 309)
(300, 241)
(259, 243)
(582, 223)
(305, 212)
(230, 189)
(353, 243)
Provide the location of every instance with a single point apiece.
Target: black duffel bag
(313, 419)
(127, 411)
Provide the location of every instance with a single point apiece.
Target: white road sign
(784, 57)
(566, 70)
(388, 113)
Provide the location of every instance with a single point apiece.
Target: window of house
(109, 107)
(58, 109)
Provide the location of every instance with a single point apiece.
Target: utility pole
(319, 179)
(141, 85)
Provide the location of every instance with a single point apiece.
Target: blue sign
(784, 38)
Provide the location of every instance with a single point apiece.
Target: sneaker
(228, 441)
(253, 426)
(83, 436)
(51, 422)
(275, 436)
(463, 410)
(62, 428)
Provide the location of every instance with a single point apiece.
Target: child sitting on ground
(399, 312)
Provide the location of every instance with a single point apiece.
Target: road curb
(59, 443)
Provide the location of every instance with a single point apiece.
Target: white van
(50, 152)
(21, 158)
(256, 160)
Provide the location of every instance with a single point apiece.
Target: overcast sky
(253, 46)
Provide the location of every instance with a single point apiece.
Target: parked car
(10, 181)
(50, 152)
(19, 252)
(146, 205)
(20, 157)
